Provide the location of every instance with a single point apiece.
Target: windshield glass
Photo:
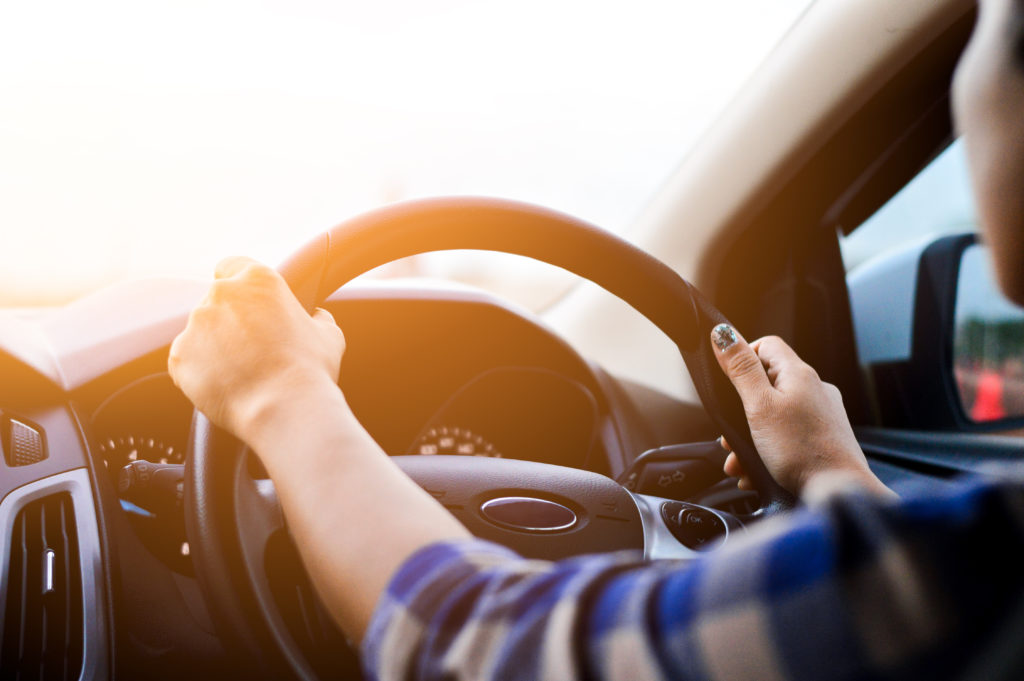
(152, 139)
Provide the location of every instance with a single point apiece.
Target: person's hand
(249, 344)
(797, 421)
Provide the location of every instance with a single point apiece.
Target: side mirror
(988, 343)
(942, 346)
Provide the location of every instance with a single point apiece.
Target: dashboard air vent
(43, 628)
(24, 444)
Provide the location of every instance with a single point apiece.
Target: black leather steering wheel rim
(214, 496)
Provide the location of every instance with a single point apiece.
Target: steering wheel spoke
(259, 516)
(679, 530)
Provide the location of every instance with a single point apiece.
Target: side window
(936, 202)
(880, 255)
(977, 357)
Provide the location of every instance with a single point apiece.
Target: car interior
(138, 541)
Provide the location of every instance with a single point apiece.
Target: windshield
(154, 138)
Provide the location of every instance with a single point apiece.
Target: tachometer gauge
(451, 440)
(119, 452)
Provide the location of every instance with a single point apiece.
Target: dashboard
(506, 412)
(461, 375)
(446, 373)
(428, 371)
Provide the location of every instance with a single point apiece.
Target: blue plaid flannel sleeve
(856, 589)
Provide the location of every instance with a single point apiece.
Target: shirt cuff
(398, 620)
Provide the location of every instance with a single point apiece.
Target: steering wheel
(232, 516)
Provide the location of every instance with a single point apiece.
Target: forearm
(341, 495)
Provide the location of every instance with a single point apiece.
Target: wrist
(826, 483)
(292, 400)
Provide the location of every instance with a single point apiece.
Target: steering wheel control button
(528, 514)
(694, 526)
(675, 471)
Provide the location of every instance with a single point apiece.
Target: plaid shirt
(855, 589)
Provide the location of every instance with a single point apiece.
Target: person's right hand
(797, 421)
(249, 345)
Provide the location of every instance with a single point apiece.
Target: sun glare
(153, 138)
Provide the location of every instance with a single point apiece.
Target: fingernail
(723, 337)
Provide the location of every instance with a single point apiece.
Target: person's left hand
(250, 344)
(797, 421)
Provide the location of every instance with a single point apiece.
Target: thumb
(740, 363)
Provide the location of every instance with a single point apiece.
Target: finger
(733, 468)
(756, 346)
(174, 357)
(322, 315)
(740, 363)
(781, 362)
(232, 265)
(771, 370)
(724, 444)
(328, 325)
(745, 484)
(325, 318)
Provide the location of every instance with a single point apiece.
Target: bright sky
(153, 138)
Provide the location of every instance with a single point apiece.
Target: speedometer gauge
(451, 440)
(121, 451)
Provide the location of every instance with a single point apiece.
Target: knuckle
(260, 277)
(175, 357)
(833, 392)
(220, 291)
(201, 313)
(770, 343)
(808, 373)
(230, 264)
(744, 364)
(259, 272)
(336, 337)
